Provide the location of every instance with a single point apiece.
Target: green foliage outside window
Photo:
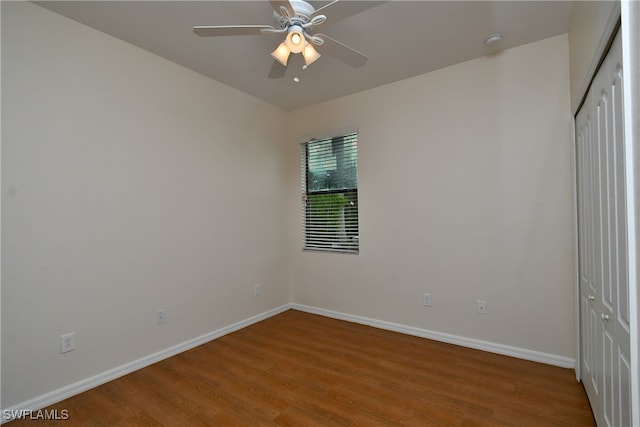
(328, 208)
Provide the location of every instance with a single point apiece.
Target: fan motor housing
(303, 11)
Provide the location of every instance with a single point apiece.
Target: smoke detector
(493, 39)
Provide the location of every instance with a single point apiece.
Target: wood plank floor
(299, 369)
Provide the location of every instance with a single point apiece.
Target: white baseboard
(66, 392)
(76, 388)
(506, 350)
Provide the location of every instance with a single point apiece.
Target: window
(330, 194)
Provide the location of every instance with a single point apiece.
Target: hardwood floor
(299, 369)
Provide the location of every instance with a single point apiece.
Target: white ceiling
(401, 38)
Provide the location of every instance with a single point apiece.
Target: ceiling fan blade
(275, 4)
(338, 10)
(342, 52)
(230, 30)
(277, 70)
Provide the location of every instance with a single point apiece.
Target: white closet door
(590, 324)
(604, 305)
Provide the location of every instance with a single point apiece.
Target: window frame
(351, 193)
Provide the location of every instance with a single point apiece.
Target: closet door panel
(602, 252)
(591, 328)
(620, 280)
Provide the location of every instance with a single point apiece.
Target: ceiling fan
(297, 20)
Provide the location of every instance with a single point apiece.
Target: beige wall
(129, 184)
(464, 192)
(587, 39)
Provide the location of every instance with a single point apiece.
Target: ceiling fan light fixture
(296, 21)
(281, 54)
(295, 39)
(310, 54)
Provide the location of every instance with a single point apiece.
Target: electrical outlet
(67, 342)
(426, 300)
(257, 290)
(482, 307)
(161, 317)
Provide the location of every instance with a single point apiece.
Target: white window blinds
(330, 194)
